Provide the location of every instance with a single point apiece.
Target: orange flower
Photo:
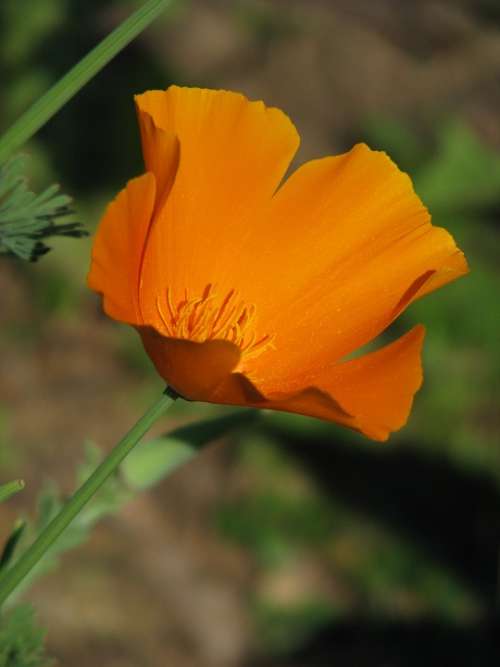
(248, 292)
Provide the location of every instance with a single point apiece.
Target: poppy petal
(207, 372)
(377, 389)
(233, 155)
(372, 394)
(193, 369)
(160, 149)
(349, 247)
(119, 247)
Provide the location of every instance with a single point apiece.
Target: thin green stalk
(14, 575)
(38, 114)
(9, 489)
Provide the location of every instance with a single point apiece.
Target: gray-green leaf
(27, 219)
(150, 462)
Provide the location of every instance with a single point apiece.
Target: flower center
(210, 317)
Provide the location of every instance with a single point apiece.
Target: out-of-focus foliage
(463, 176)
(21, 640)
(293, 529)
(146, 466)
(9, 489)
(111, 497)
(23, 34)
(10, 545)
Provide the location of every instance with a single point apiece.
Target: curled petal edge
(372, 394)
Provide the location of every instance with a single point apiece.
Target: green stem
(14, 575)
(9, 489)
(38, 114)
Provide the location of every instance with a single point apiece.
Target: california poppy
(250, 292)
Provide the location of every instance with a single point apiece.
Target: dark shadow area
(359, 644)
(110, 157)
(78, 138)
(452, 514)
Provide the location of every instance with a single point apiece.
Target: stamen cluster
(210, 317)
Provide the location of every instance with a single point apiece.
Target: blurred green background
(296, 544)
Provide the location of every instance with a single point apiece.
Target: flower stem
(14, 575)
(38, 114)
(9, 489)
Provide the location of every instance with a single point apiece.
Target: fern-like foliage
(21, 640)
(27, 219)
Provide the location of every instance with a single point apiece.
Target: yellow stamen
(209, 317)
